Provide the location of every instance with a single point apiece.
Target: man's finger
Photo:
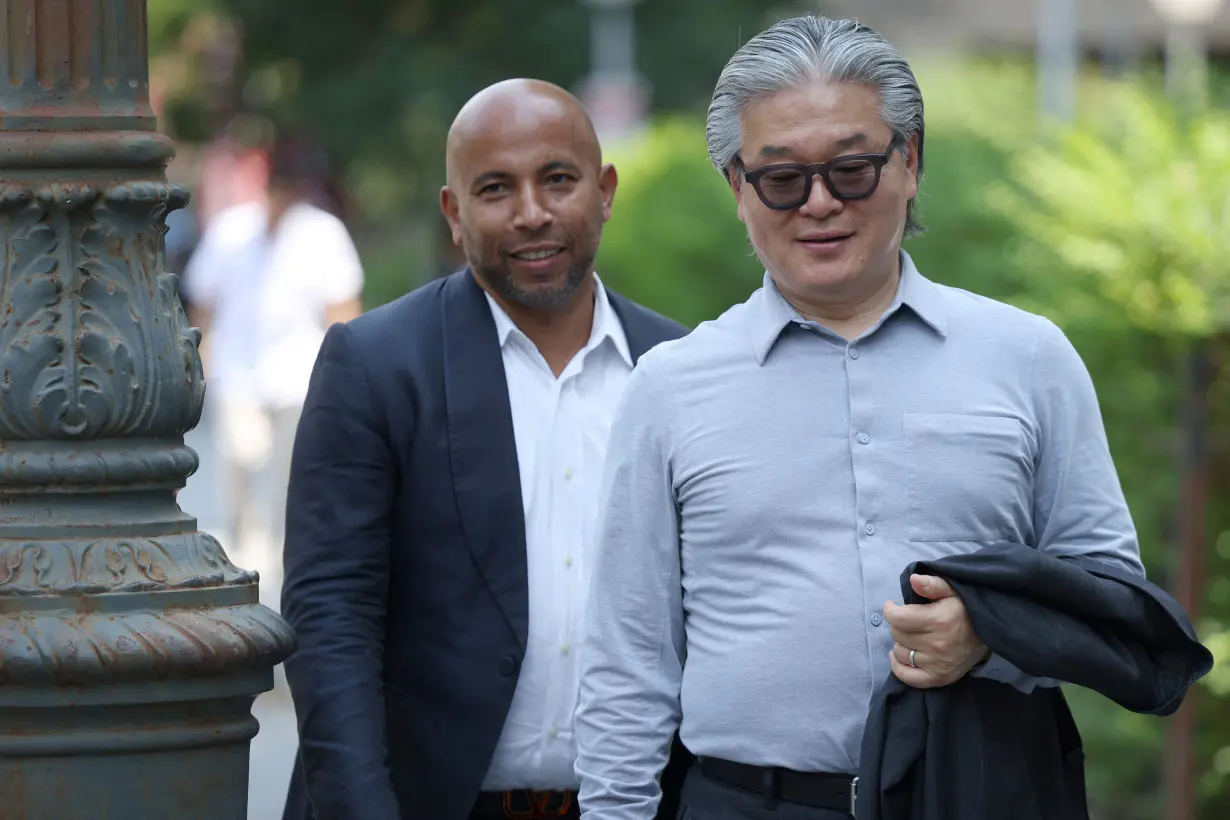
(902, 654)
(910, 640)
(911, 618)
(917, 678)
(931, 587)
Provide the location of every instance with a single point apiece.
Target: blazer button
(508, 666)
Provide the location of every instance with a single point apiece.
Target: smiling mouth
(534, 256)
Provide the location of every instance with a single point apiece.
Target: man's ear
(608, 181)
(451, 207)
(734, 177)
(911, 167)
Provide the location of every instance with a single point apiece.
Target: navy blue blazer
(405, 559)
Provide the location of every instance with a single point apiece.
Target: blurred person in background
(444, 493)
(269, 276)
(772, 474)
(234, 171)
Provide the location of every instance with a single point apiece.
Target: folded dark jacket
(980, 749)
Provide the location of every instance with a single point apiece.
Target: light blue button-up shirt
(766, 484)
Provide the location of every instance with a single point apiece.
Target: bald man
(444, 494)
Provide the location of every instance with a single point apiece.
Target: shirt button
(863, 438)
(568, 560)
(870, 529)
(854, 353)
(876, 620)
(566, 648)
(553, 732)
(568, 474)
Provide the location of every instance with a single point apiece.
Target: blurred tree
(1137, 201)
(380, 80)
(1134, 205)
(674, 241)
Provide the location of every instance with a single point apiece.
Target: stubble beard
(498, 277)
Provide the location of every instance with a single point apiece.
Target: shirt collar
(605, 326)
(922, 296)
(771, 313)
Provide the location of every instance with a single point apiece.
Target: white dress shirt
(561, 426)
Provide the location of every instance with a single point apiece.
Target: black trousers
(705, 798)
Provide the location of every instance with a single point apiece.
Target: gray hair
(809, 48)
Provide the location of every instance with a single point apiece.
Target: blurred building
(1107, 28)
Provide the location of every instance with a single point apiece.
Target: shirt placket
(864, 441)
(564, 468)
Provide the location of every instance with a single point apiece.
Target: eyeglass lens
(788, 186)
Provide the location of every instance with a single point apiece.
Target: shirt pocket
(968, 478)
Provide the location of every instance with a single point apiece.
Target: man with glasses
(773, 473)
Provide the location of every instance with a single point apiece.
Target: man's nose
(821, 202)
(532, 213)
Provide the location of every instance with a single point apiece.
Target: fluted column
(131, 648)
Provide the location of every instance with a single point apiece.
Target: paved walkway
(273, 749)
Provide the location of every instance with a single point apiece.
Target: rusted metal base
(131, 648)
(144, 752)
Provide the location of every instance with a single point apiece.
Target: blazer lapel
(640, 336)
(483, 450)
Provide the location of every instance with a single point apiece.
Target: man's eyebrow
(488, 176)
(500, 176)
(851, 141)
(559, 165)
(770, 151)
(774, 151)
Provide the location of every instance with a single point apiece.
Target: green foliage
(1122, 757)
(1137, 203)
(381, 80)
(674, 241)
(167, 19)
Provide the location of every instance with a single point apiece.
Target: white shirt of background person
(268, 297)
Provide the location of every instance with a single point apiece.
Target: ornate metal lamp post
(131, 649)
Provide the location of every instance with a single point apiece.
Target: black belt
(525, 804)
(823, 791)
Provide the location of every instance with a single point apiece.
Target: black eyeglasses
(787, 186)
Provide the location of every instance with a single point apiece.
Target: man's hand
(940, 632)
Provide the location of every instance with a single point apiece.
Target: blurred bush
(1136, 199)
(1131, 204)
(674, 242)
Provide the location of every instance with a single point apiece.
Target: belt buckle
(853, 796)
(539, 805)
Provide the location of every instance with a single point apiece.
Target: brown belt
(526, 804)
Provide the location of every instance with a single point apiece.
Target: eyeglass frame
(810, 172)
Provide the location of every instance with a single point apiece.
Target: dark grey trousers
(707, 799)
